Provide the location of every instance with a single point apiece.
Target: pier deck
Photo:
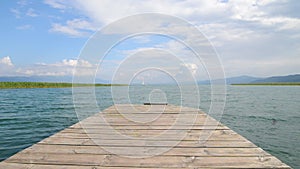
(89, 144)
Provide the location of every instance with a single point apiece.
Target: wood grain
(206, 143)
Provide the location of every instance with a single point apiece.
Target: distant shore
(269, 84)
(20, 85)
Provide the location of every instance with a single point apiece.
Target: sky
(251, 37)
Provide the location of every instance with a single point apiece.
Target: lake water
(269, 116)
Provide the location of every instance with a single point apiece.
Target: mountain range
(251, 79)
(230, 80)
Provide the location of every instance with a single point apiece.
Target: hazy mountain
(234, 80)
(288, 78)
(250, 79)
(230, 80)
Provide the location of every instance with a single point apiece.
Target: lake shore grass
(269, 84)
(21, 85)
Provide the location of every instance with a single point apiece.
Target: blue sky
(28, 38)
(252, 37)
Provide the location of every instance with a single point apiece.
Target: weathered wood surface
(207, 143)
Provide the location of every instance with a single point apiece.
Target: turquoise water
(269, 116)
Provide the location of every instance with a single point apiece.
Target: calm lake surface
(269, 116)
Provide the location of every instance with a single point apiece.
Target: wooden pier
(91, 144)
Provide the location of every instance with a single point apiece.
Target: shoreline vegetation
(269, 84)
(24, 85)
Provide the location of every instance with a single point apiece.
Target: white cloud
(242, 31)
(141, 39)
(31, 12)
(263, 67)
(75, 28)
(155, 64)
(16, 12)
(22, 2)
(21, 10)
(6, 61)
(232, 20)
(256, 11)
(192, 67)
(73, 62)
(105, 12)
(66, 30)
(6, 66)
(63, 68)
(56, 4)
(24, 27)
(285, 23)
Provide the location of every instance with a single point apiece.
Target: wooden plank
(207, 143)
(6, 165)
(73, 149)
(125, 124)
(153, 162)
(228, 135)
(165, 121)
(149, 127)
(150, 143)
